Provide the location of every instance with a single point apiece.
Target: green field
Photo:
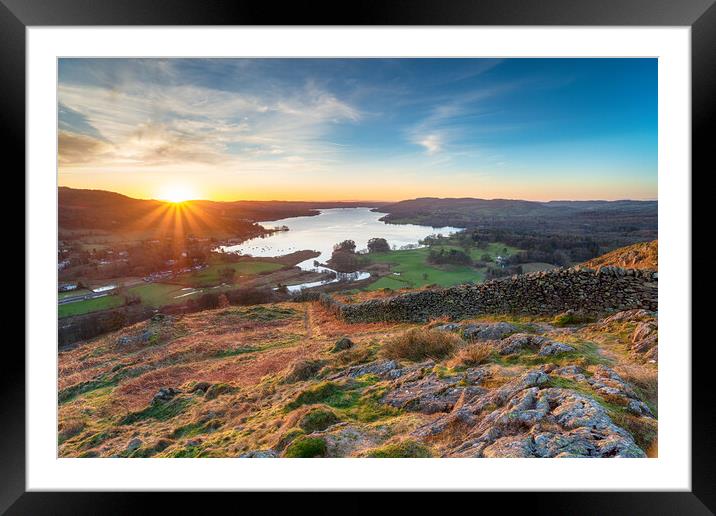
(210, 276)
(157, 295)
(89, 305)
(71, 293)
(414, 270)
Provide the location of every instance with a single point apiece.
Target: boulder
(554, 348)
(488, 331)
(519, 341)
(134, 444)
(165, 394)
(379, 368)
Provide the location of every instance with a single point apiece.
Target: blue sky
(346, 129)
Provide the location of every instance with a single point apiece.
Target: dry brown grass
(644, 377)
(418, 344)
(70, 427)
(472, 354)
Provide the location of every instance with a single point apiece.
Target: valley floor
(290, 380)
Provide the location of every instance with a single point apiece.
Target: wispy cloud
(150, 123)
(450, 122)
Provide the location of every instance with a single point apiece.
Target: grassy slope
(644, 255)
(106, 388)
(89, 305)
(210, 276)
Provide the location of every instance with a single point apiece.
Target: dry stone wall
(539, 293)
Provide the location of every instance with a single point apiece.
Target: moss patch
(305, 447)
(403, 449)
(161, 411)
(318, 419)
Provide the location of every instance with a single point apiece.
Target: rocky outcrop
(528, 418)
(539, 293)
(644, 339)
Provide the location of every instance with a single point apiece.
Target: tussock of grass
(100, 382)
(318, 419)
(368, 407)
(241, 350)
(196, 428)
(473, 354)
(356, 355)
(287, 438)
(304, 370)
(419, 344)
(69, 428)
(267, 313)
(219, 389)
(571, 318)
(306, 447)
(645, 380)
(403, 449)
(643, 429)
(161, 411)
(318, 393)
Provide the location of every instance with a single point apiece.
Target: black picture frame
(700, 15)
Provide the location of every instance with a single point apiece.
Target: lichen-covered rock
(430, 394)
(554, 348)
(379, 368)
(134, 444)
(165, 394)
(520, 341)
(259, 454)
(645, 338)
(488, 331)
(629, 316)
(344, 440)
(449, 327)
(527, 418)
(550, 422)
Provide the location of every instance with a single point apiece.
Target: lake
(321, 232)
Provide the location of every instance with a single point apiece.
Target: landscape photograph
(357, 257)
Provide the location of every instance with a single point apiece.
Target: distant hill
(547, 226)
(99, 209)
(464, 212)
(644, 255)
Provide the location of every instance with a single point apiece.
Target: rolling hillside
(644, 255)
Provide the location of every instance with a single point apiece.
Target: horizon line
(374, 201)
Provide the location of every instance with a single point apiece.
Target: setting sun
(177, 193)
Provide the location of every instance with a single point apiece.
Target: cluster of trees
(135, 260)
(344, 257)
(557, 249)
(501, 272)
(378, 245)
(452, 256)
